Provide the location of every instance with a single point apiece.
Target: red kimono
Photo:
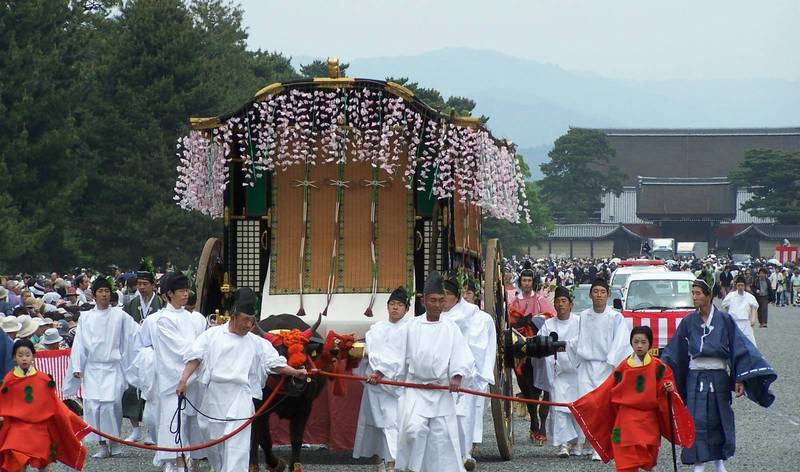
(37, 429)
(625, 417)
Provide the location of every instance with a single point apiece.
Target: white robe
(428, 441)
(101, 352)
(376, 433)
(172, 336)
(739, 307)
(142, 372)
(478, 329)
(603, 341)
(561, 380)
(195, 394)
(234, 370)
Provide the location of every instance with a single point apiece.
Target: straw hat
(10, 324)
(28, 328)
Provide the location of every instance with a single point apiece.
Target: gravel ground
(767, 439)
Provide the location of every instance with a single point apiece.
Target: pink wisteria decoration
(202, 173)
(306, 127)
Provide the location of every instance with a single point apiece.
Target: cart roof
(379, 120)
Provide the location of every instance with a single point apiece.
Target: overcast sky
(637, 39)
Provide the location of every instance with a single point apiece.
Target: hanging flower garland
(202, 173)
(300, 127)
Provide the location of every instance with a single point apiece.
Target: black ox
(293, 403)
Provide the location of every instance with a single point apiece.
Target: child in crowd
(36, 428)
(625, 417)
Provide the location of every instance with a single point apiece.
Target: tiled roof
(699, 131)
(692, 152)
(588, 231)
(772, 231)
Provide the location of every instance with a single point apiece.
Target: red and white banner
(663, 324)
(786, 254)
(55, 363)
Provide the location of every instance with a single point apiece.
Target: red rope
(439, 387)
(315, 371)
(199, 446)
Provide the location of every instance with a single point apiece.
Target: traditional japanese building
(677, 187)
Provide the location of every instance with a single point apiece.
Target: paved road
(767, 439)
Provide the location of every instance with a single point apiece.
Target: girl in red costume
(625, 417)
(36, 428)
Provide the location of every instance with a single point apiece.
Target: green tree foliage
(460, 106)
(774, 178)
(42, 176)
(156, 75)
(580, 171)
(319, 68)
(270, 67)
(93, 94)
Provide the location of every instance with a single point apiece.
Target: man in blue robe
(711, 357)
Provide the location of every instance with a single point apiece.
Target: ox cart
(335, 191)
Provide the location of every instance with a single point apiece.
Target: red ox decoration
(335, 357)
(295, 342)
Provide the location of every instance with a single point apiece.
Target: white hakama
(603, 341)
(561, 380)
(234, 369)
(172, 337)
(101, 352)
(740, 307)
(142, 371)
(376, 433)
(428, 441)
(478, 329)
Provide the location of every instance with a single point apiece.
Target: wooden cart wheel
(495, 304)
(210, 272)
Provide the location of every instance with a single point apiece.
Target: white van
(628, 267)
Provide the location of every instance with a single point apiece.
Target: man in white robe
(171, 336)
(478, 329)
(561, 378)
(195, 393)
(376, 433)
(603, 341)
(436, 354)
(143, 303)
(235, 364)
(100, 355)
(743, 307)
(142, 375)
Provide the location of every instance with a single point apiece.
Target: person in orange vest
(36, 428)
(626, 416)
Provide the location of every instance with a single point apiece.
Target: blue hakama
(708, 392)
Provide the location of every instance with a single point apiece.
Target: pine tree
(42, 177)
